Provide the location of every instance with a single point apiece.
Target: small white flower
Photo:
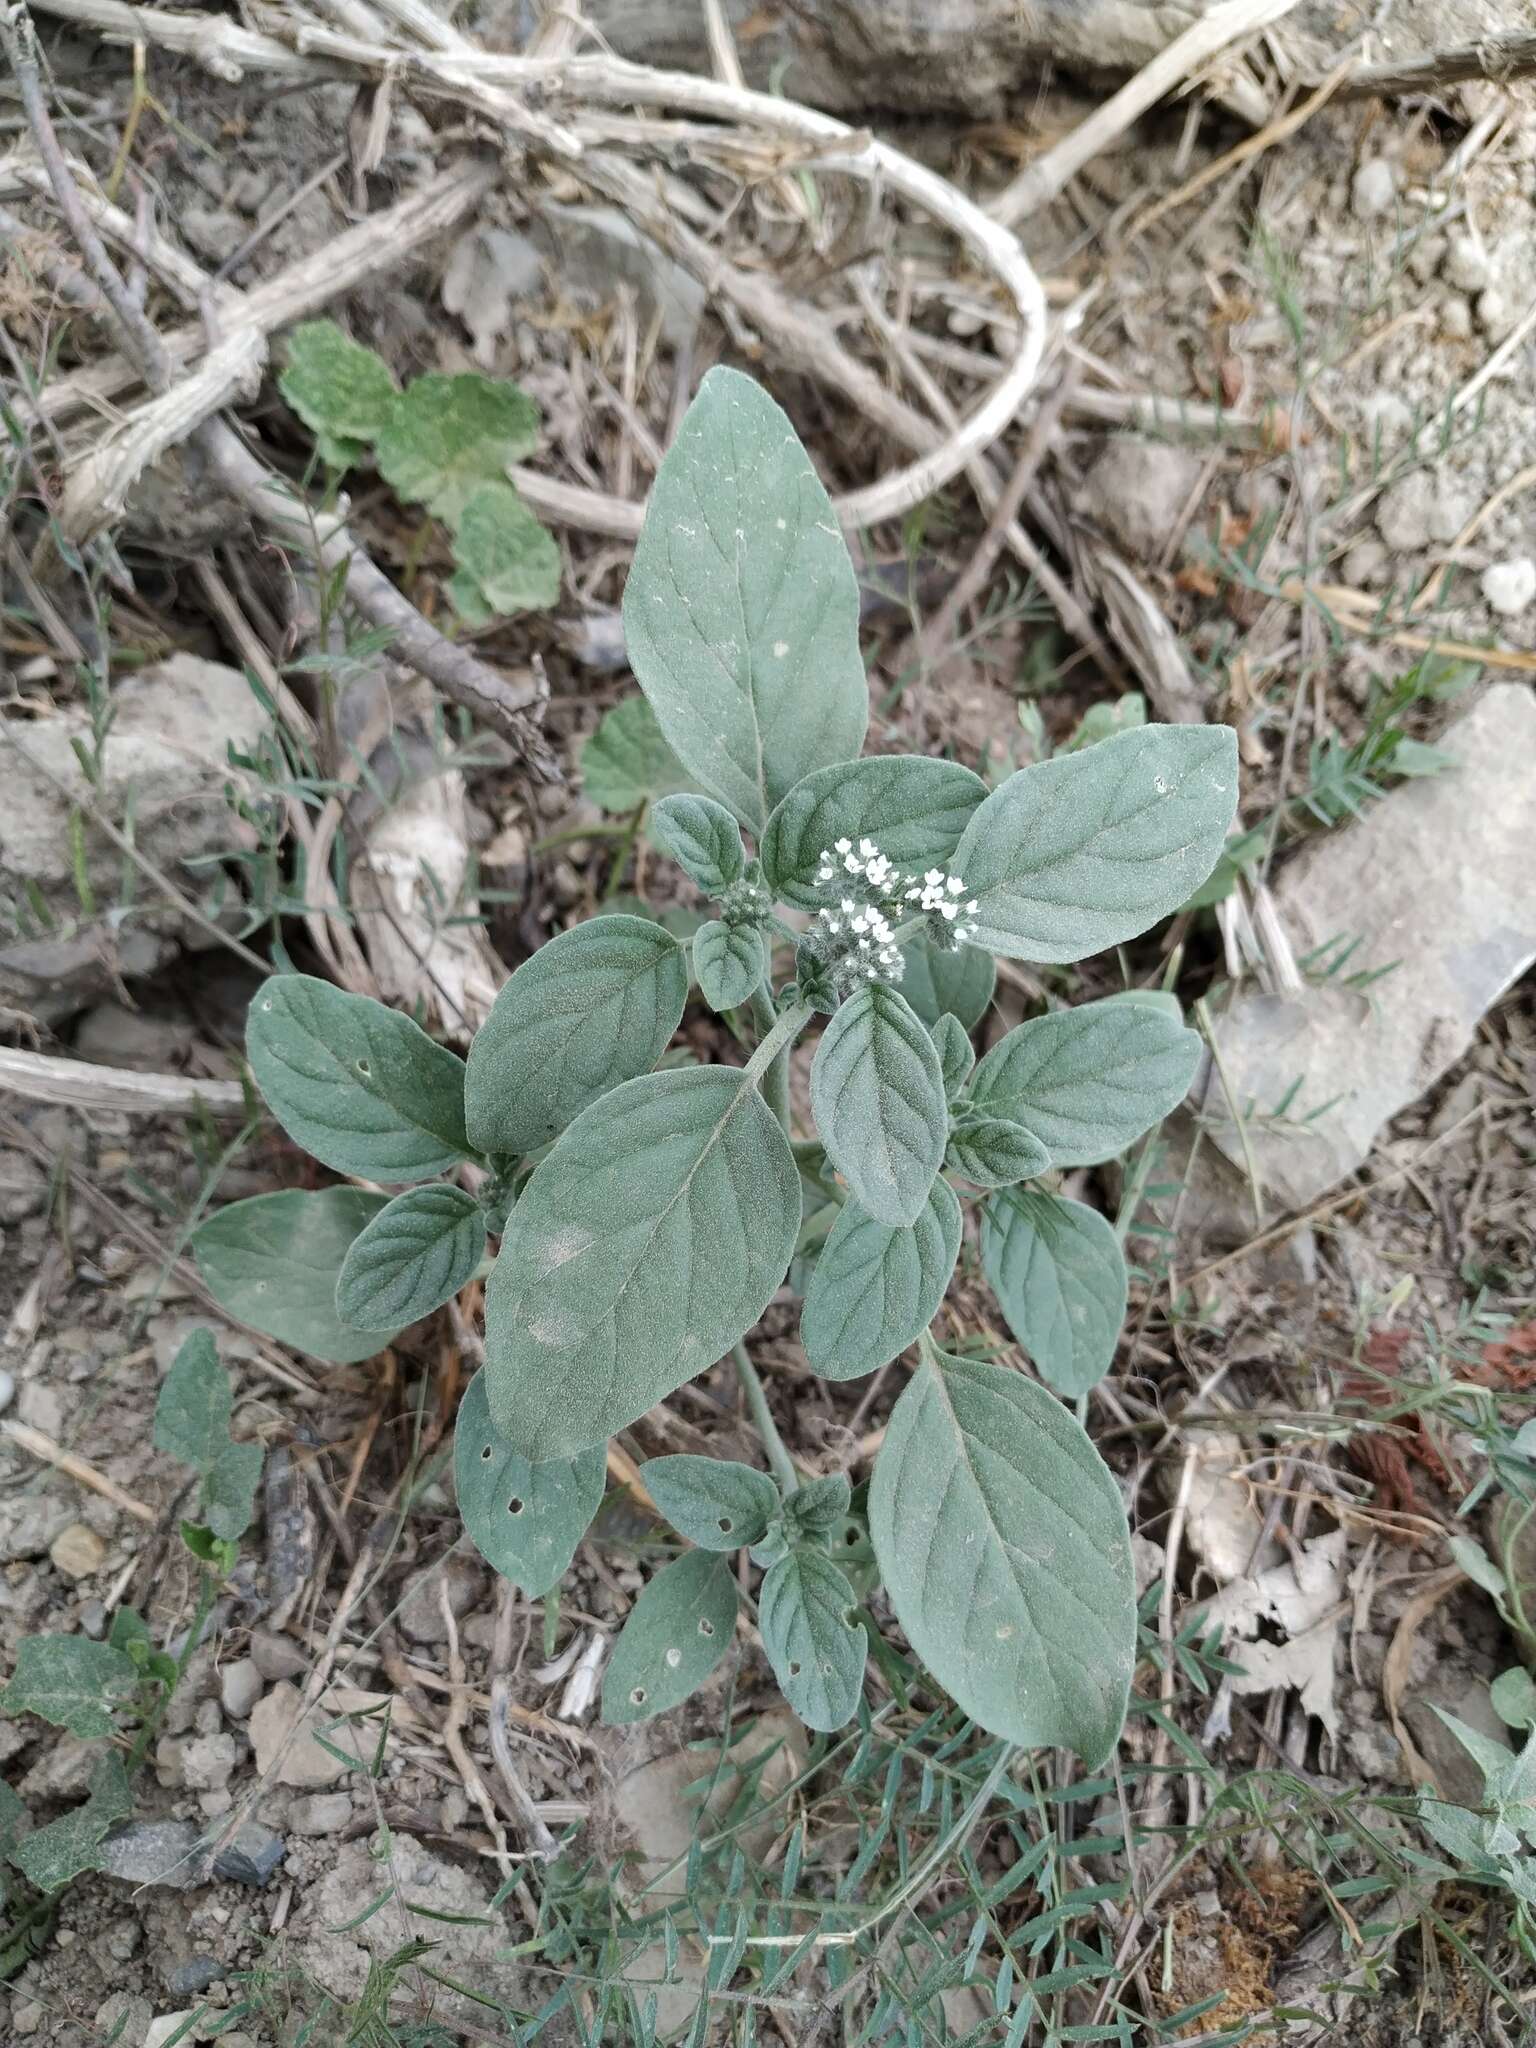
(843, 845)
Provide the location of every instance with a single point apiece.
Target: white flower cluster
(941, 892)
(867, 932)
(869, 863)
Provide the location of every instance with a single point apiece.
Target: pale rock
(167, 1853)
(28, 1525)
(63, 1770)
(1405, 511)
(420, 1612)
(1509, 587)
(306, 1765)
(1367, 565)
(1450, 512)
(1373, 189)
(1455, 318)
(277, 1656)
(1495, 315)
(240, 1686)
(320, 1813)
(169, 2026)
(77, 1551)
(41, 1407)
(206, 1762)
(1138, 490)
(1467, 264)
(7, 1390)
(1387, 418)
(27, 2016)
(23, 1186)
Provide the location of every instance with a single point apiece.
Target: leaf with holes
(360, 1087)
(677, 1632)
(993, 1152)
(955, 984)
(877, 1286)
(273, 1262)
(645, 1245)
(1004, 1549)
(913, 807)
(742, 610)
(703, 838)
(805, 1610)
(342, 391)
(446, 436)
(1058, 1272)
(627, 761)
(818, 1506)
(415, 1254)
(878, 1097)
(71, 1681)
(1089, 1081)
(957, 1055)
(596, 1006)
(714, 1502)
(1084, 851)
(525, 1520)
(50, 1857)
(729, 962)
(511, 560)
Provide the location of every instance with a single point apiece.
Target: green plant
(649, 1210)
(100, 1691)
(445, 442)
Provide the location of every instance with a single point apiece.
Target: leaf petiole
(783, 1464)
(782, 1036)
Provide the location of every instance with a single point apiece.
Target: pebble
(192, 1977)
(1467, 265)
(322, 1813)
(240, 1686)
(27, 2018)
(275, 1657)
(213, 231)
(124, 1938)
(205, 1763)
(1495, 315)
(1509, 587)
(78, 1551)
(1456, 319)
(1367, 565)
(252, 1856)
(163, 1852)
(1403, 513)
(1373, 189)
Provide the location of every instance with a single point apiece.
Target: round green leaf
(1089, 1081)
(677, 1632)
(627, 762)
(336, 386)
(878, 1097)
(877, 1286)
(1058, 1272)
(913, 807)
(448, 435)
(414, 1255)
(805, 1615)
(729, 962)
(714, 1502)
(993, 1152)
(645, 1245)
(525, 1520)
(512, 561)
(1004, 1548)
(741, 612)
(360, 1087)
(596, 1006)
(703, 838)
(956, 984)
(272, 1262)
(1081, 852)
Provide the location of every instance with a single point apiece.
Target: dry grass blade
(41, 1077)
(1394, 1673)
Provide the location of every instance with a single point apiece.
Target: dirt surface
(1360, 300)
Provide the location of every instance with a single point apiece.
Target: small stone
(1387, 418)
(1508, 587)
(239, 1687)
(42, 1407)
(190, 1978)
(28, 2017)
(1404, 513)
(275, 1657)
(1467, 265)
(252, 1856)
(158, 1852)
(322, 1813)
(212, 230)
(1456, 319)
(93, 1619)
(1367, 565)
(1139, 490)
(124, 1939)
(123, 2016)
(169, 2027)
(207, 1762)
(420, 1611)
(78, 1551)
(23, 1187)
(1495, 315)
(1449, 513)
(1373, 189)
(63, 1771)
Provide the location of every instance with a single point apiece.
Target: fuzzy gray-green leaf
(878, 1097)
(71, 1681)
(994, 1152)
(1089, 1081)
(627, 762)
(703, 838)
(193, 1407)
(273, 1260)
(805, 1611)
(818, 1506)
(1084, 851)
(1059, 1276)
(957, 1055)
(414, 1255)
(877, 1286)
(715, 1502)
(511, 559)
(645, 1245)
(914, 807)
(958, 983)
(742, 611)
(50, 1857)
(525, 1520)
(1004, 1548)
(360, 1087)
(677, 1632)
(729, 962)
(595, 1006)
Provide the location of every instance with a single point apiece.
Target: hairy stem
(778, 1456)
(779, 1039)
(206, 1584)
(776, 1080)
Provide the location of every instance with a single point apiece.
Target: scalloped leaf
(627, 761)
(511, 559)
(446, 436)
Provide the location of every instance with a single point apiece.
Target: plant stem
(779, 1039)
(776, 1080)
(206, 1585)
(778, 1457)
